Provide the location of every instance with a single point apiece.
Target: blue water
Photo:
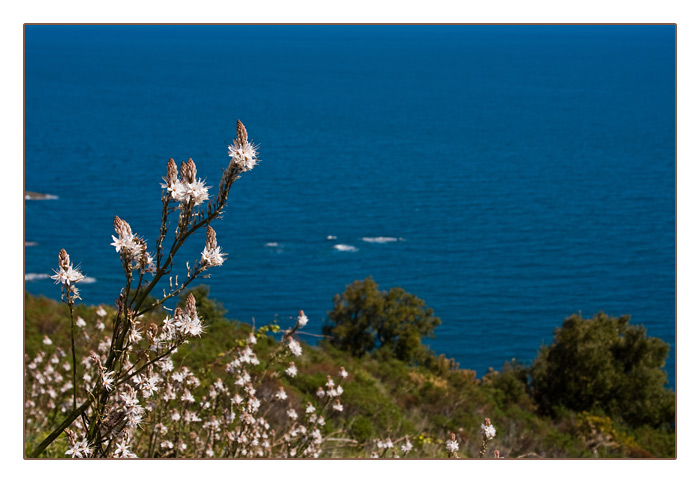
(527, 172)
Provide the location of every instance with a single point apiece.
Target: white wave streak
(379, 239)
(272, 244)
(30, 277)
(345, 248)
(39, 196)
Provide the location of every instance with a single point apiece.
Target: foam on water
(39, 196)
(30, 277)
(379, 239)
(345, 248)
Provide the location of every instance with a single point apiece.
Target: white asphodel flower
(302, 320)
(488, 430)
(452, 446)
(212, 255)
(195, 192)
(67, 276)
(108, 380)
(243, 155)
(213, 258)
(294, 347)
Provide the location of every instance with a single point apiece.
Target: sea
(508, 175)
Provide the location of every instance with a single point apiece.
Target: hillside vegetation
(597, 391)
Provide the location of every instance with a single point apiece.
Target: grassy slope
(386, 398)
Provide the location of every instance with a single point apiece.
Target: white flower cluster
(452, 445)
(132, 247)
(243, 154)
(302, 320)
(67, 276)
(220, 420)
(294, 346)
(212, 255)
(183, 324)
(188, 191)
(79, 449)
(487, 430)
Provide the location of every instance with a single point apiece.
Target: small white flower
(294, 347)
(452, 446)
(213, 258)
(292, 414)
(281, 395)
(67, 276)
(190, 325)
(291, 370)
(488, 430)
(243, 155)
(47, 341)
(79, 450)
(123, 451)
(337, 406)
(108, 380)
(80, 322)
(302, 320)
(134, 336)
(100, 311)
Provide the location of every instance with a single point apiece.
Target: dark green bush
(605, 363)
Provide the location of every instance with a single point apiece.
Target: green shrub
(364, 319)
(605, 363)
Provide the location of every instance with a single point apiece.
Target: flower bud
(211, 239)
(122, 228)
(191, 306)
(63, 259)
(242, 134)
(171, 172)
(191, 171)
